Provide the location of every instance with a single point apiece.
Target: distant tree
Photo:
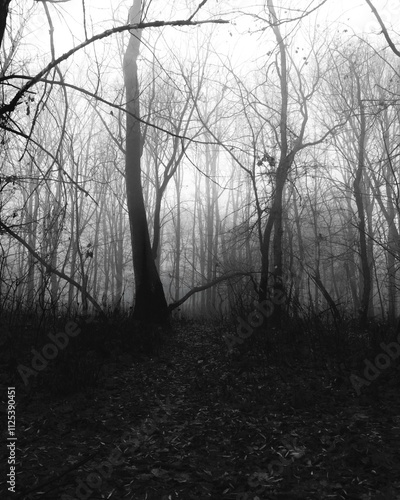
(19, 106)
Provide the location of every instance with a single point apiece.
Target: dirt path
(195, 423)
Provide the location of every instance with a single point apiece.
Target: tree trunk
(177, 277)
(301, 253)
(286, 159)
(359, 187)
(32, 216)
(393, 238)
(150, 303)
(275, 222)
(3, 18)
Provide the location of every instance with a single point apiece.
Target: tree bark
(150, 303)
(4, 4)
(359, 188)
(286, 159)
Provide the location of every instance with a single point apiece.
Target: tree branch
(50, 268)
(197, 10)
(10, 107)
(197, 289)
(384, 30)
(108, 103)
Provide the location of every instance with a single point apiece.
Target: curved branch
(384, 29)
(47, 152)
(112, 105)
(10, 107)
(197, 289)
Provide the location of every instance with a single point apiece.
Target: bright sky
(102, 14)
(239, 40)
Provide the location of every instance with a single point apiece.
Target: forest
(199, 249)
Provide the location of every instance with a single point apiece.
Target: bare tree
(291, 142)
(150, 300)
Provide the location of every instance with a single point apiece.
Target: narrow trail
(194, 423)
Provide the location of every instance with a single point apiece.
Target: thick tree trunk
(150, 303)
(286, 159)
(274, 222)
(3, 18)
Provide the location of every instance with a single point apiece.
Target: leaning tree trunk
(150, 303)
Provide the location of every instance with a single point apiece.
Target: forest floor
(196, 422)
